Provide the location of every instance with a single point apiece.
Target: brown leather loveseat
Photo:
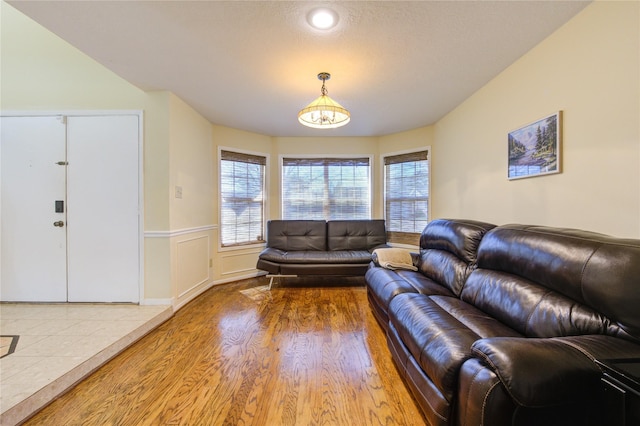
(318, 247)
(501, 325)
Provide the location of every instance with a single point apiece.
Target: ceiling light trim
(322, 18)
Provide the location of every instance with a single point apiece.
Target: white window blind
(406, 196)
(241, 198)
(326, 188)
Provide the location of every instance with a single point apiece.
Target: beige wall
(590, 70)
(191, 167)
(157, 159)
(191, 194)
(38, 67)
(180, 230)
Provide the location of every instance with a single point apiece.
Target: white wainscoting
(238, 263)
(191, 271)
(192, 263)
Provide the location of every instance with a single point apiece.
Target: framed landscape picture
(534, 149)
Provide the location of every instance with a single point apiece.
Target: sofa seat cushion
(439, 332)
(424, 285)
(479, 322)
(315, 256)
(384, 284)
(325, 269)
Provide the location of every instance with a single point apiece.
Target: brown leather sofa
(318, 247)
(500, 325)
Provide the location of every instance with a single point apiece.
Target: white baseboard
(156, 302)
(242, 277)
(181, 302)
(177, 304)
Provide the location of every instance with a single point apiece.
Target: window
(326, 188)
(241, 198)
(406, 196)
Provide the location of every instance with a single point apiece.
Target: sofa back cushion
(547, 282)
(448, 249)
(297, 235)
(356, 234)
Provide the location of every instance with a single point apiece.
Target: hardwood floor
(239, 354)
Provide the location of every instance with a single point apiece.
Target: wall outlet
(178, 192)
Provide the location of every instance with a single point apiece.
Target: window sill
(255, 246)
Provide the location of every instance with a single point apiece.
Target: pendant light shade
(324, 112)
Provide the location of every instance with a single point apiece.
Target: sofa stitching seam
(578, 348)
(533, 310)
(430, 405)
(584, 267)
(484, 400)
(471, 383)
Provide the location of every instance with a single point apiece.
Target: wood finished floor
(309, 354)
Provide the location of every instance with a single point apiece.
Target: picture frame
(535, 149)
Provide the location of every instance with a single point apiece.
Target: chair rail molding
(178, 232)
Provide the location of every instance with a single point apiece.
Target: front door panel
(34, 250)
(103, 194)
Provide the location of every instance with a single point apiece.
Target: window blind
(326, 188)
(406, 196)
(241, 198)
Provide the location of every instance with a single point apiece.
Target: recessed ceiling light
(322, 18)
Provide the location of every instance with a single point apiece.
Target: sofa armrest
(598, 346)
(272, 254)
(540, 372)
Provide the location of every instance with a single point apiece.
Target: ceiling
(252, 65)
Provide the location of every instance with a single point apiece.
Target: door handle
(58, 223)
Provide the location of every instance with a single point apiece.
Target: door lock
(58, 223)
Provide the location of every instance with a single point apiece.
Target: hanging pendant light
(324, 112)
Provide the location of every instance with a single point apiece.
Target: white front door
(103, 191)
(34, 249)
(90, 252)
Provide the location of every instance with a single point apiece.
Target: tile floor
(60, 344)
